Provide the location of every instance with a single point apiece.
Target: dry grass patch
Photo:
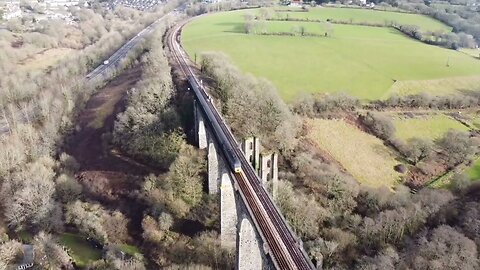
(45, 59)
(364, 156)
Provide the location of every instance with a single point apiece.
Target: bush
(324, 105)
(96, 222)
(423, 100)
(116, 259)
(457, 147)
(67, 188)
(379, 125)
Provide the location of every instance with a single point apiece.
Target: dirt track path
(106, 175)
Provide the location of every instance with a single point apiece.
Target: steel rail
(124, 49)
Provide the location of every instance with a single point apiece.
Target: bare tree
(432, 252)
(418, 149)
(303, 213)
(67, 188)
(30, 194)
(49, 254)
(458, 147)
(9, 252)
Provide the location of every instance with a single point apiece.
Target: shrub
(380, 125)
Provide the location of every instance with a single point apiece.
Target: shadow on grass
(471, 93)
(236, 27)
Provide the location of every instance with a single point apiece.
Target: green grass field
(81, 251)
(427, 127)
(371, 16)
(439, 87)
(359, 60)
(356, 151)
(474, 171)
(129, 249)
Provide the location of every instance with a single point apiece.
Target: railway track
(282, 245)
(119, 54)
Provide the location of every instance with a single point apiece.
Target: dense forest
(40, 191)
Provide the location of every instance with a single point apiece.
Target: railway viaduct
(237, 229)
(250, 222)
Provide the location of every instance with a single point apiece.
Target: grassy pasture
(362, 61)
(81, 251)
(371, 16)
(438, 87)
(472, 52)
(474, 171)
(361, 154)
(427, 127)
